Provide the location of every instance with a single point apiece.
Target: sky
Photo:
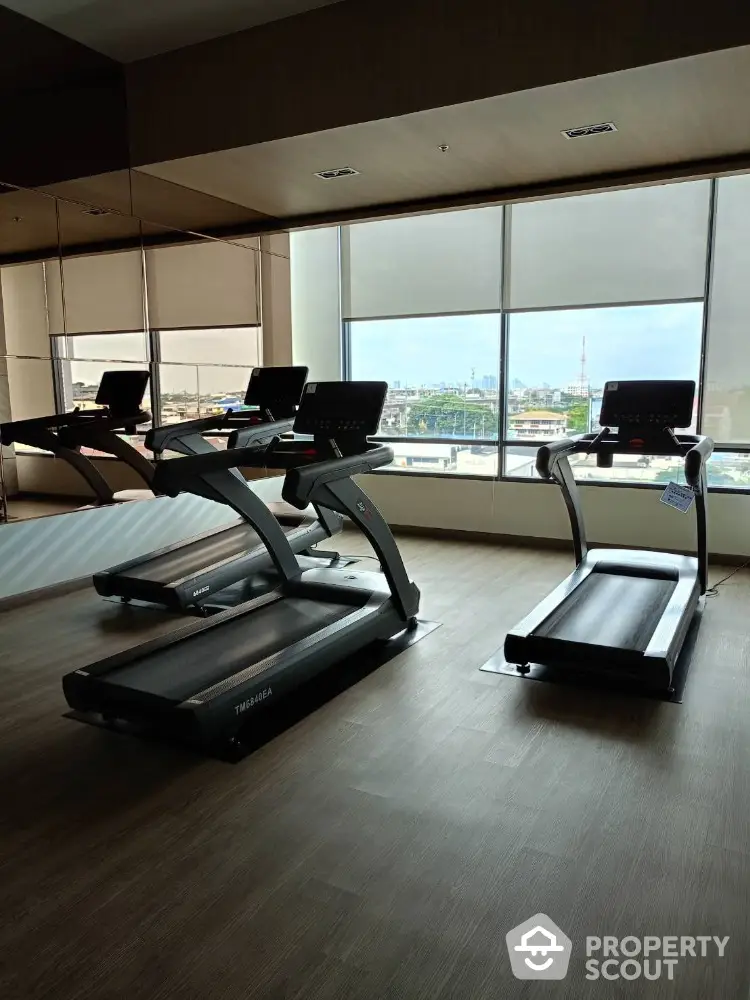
(659, 341)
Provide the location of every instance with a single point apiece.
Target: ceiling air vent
(96, 211)
(330, 175)
(578, 133)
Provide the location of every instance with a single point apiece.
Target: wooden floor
(28, 507)
(383, 847)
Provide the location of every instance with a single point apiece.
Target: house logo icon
(538, 949)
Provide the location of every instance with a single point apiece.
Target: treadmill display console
(276, 390)
(122, 392)
(332, 409)
(649, 404)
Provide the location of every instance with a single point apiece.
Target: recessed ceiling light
(336, 172)
(582, 130)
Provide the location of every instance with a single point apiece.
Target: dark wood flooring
(382, 847)
(24, 508)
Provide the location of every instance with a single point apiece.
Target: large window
(190, 313)
(421, 298)
(558, 362)
(82, 360)
(442, 374)
(205, 371)
(503, 324)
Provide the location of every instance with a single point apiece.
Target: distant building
(579, 389)
(489, 382)
(538, 425)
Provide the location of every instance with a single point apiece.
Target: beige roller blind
(726, 392)
(428, 265)
(102, 293)
(24, 301)
(199, 285)
(640, 245)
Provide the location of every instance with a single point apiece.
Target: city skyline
(630, 342)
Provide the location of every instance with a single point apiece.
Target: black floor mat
(602, 681)
(305, 700)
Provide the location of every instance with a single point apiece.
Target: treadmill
(193, 576)
(622, 612)
(210, 680)
(120, 396)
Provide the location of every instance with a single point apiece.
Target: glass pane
(729, 469)
(222, 389)
(192, 391)
(81, 382)
(726, 404)
(520, 462)
(461, 459)
(640, 245)
(236, 346)
(179, 393)
(423, 265)
(107, 347)
(441, 372)
(558, 362)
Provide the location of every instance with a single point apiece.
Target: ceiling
(667, 114)
(134, 29)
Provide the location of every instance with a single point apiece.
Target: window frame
(153, 362)
(503, 440)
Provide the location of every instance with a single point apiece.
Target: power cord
(357, 557)
(714, 591)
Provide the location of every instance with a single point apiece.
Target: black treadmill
(120, 396)
(622, 612)
(208, 681)
(193, 576)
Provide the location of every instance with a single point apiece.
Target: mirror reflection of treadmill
(117, 410)
(210, 680)
(622, 611)
(227, 565)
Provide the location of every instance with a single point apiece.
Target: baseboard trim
(544, 542)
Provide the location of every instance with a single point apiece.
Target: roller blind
(641, 245)
(102, 293)
(425, 265)
(726, 393)
(207, 284)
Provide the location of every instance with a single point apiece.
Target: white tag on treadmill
(679, 497)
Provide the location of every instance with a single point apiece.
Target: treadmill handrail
(302, 481)
(172, 473)
(12, 430)
(161, 439)
(552, 452)
(695, 460)
(552, 463)
(548, 454)
(253, 435)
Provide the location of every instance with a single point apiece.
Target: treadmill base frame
(597, 679)
(303, 702)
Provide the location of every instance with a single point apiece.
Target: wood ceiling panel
(671, 113)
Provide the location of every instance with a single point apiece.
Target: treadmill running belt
(184, 668)
(620, 612)
(193, 559)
